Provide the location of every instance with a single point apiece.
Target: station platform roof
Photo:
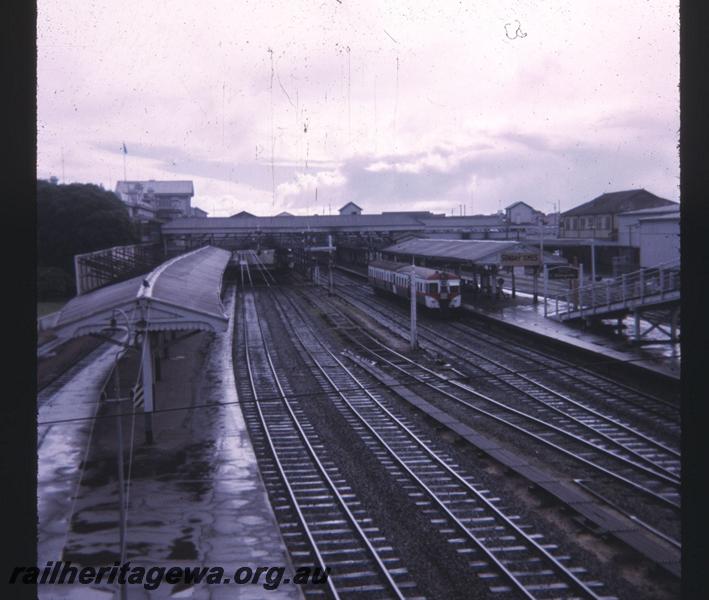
(181, 294)
(476, 252)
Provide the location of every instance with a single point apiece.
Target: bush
(53, 283)
(77, 218)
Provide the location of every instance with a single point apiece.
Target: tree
(78, 218)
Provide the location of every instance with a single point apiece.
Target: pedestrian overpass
(651, 294)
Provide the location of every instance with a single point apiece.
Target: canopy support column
(148, 386)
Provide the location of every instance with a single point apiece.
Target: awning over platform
(182, 294)
(476, 252)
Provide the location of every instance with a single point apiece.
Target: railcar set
(269, 259)
(438, 291)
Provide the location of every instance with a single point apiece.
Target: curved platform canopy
(181, 294)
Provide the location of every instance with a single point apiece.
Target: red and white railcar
(436, 290)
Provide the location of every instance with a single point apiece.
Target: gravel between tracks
(625, 573)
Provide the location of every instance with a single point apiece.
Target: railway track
(528, 360)
(622, 398)
(503, 551)
(597, 399)
(596, 442)
(321, 519)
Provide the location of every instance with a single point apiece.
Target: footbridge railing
(639, 290)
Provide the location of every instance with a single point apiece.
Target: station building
(521, 212)
(655, 232)
(600, 231)
(598, 218)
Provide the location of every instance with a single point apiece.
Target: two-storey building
(522, 213)
(163, 200)
(598, 218)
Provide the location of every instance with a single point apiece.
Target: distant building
(161, 200)
(655, 231)
(132, 193)
(351, 209)
(285, 213)
(198, 212)
(521, 212)
(424, 214)
(241, 215)
(598, 218)
(552, 219)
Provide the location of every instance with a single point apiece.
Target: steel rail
(537, 548)
(519, 428)
(263, 270)
(537, 437)
(564, 398)
(669, 539)
(563, 362)
(316, 461)
(656, 469)
(281, 471)
(462, 327)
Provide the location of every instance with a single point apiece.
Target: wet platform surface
(524, 314)
(195, 496)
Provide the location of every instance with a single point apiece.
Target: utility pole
(121, 469)
(121, 481)
(593, 258)
(546, 286)
(329, 265)
(412, 285)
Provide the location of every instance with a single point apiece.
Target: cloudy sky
(305, 105)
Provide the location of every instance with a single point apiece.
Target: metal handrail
(621, 292)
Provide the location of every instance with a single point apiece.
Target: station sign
(563, 273)
(519, 259)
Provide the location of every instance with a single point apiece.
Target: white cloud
(419, 89)
(300, 192)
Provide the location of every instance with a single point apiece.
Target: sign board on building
(520, 259)
(563, 273)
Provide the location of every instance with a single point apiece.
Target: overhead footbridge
(653, 294)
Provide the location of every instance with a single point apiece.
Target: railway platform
(195, 495)
(522, 314)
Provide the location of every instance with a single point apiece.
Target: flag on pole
(125, 150)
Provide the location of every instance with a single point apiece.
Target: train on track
(439, 291)
(269, 259)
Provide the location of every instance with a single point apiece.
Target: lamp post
(412, 285)
(119, 434)
(121, 478)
